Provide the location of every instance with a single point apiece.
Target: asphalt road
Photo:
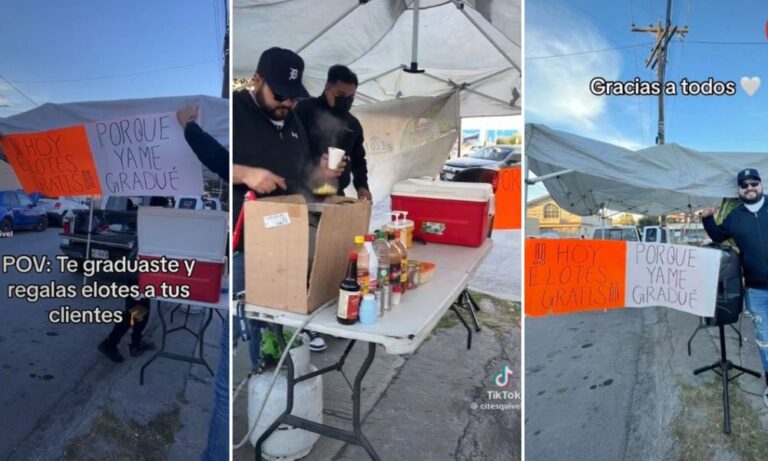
(580, 374)
(42, 365)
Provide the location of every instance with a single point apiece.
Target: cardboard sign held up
(55, 162)
(145, 155)
(564, 276)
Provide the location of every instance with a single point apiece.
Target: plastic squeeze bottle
(373, 267)
(363, 269)
(395, 267)
(403, 261)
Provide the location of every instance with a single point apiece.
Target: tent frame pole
(378, 76)
(330, 26)
(547, 176)
(489, 76)
(464, 87)
(460, 5)
(414, 68)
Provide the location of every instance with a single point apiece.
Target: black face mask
(342, 104)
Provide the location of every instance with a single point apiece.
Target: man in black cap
(270, 152)
(747, 224)
(329, 124)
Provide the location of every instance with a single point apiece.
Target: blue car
(18, 212)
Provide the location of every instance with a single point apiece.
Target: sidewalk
(420, 406)
(110, 416)
(619, 385)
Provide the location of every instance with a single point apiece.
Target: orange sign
(563, 276)
(508, 213)
(55, 162)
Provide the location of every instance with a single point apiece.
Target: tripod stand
(721, 367)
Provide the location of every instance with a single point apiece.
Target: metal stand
(704, 325)
(465, 300)
(356, 436)
(721, 367)
(199, 337)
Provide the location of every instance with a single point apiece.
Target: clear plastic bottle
(363, 269)
(373, 265)
(381, 248)
(403, 261)
(395, 265)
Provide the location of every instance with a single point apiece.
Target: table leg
(356, 437)
(472, 306)
(201, 338)
(164, 333)
(466, 325)
(356, 424)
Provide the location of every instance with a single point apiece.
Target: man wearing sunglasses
(747, 224)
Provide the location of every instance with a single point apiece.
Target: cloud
(558, 88)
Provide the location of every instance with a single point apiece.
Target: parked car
(197, 203)
(626, 233)
(485, 157)
(56, 208)
(658, 234)
(18, 212)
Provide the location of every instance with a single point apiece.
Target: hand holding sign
(187, 114)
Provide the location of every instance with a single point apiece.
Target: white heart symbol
(750, 85)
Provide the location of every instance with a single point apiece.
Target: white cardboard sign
(145, 155)
(677, 276)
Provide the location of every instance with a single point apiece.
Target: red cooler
(452, 213)
(198, 235)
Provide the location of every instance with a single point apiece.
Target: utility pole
(226, 80)
(658, 57)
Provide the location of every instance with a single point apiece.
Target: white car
(56, 208)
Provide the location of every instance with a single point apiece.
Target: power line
(107, 77)
(707, 42)
(19, 91)
(601, 50)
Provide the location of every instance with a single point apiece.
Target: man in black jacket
(747, 224)
(329, 124)
(270, 151)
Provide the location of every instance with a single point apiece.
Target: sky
(81, 50)
(557, 88)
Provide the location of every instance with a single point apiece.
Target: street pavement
(62, 399)
(619, 385)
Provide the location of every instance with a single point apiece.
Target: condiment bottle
(403, 261)
(381, 248)
(395, 268)
(363, 269)
(373, 266)
(348, 309)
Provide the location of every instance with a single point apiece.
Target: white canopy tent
(584, 176)
(466, 45)
(214, 115)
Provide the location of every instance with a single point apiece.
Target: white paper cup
(334, 157)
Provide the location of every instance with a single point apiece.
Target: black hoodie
(750, 231)
(257, 142)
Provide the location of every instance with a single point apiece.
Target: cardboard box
(277, 245)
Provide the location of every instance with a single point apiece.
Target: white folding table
(222, 304)
(400, 331)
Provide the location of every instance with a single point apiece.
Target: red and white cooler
(453, 213)
(199, 235)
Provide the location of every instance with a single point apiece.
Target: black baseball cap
(746, 174)
(283, 70)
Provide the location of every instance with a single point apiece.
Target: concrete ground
(431, 405)
(619, 385)
(62, 399)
